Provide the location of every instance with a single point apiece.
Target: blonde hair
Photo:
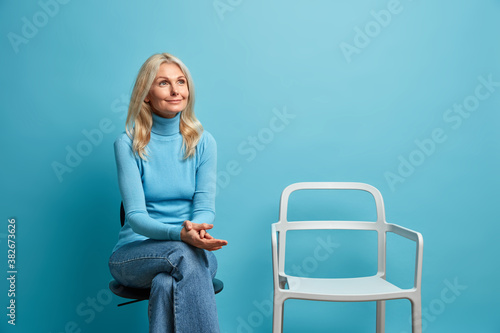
(140, 119)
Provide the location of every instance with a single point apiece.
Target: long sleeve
(132, 192)
(206, 177)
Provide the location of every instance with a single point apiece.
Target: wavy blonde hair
(140, 119)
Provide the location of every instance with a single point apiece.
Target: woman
(166, 173)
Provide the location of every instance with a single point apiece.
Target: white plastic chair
(370, 288)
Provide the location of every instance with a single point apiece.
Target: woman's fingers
(205, 226)
(213, 244)
(188, 225)
(201, 238)
(198, 226)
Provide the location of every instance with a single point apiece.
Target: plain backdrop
(403, 95)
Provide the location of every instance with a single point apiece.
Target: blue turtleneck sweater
(161, 193)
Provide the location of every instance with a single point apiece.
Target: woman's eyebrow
(164, 77)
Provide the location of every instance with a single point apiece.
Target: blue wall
(403, 95)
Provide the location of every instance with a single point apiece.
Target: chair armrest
(277, 280)
(404, 232)
(418, 239)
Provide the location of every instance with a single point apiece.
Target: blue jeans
(180, 276)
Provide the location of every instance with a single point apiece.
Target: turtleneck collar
(166, 126)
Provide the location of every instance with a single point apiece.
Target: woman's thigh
(136, 264)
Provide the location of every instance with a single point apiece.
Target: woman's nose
(173, 92)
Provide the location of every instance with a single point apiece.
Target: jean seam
(140, 258)
(174, 289)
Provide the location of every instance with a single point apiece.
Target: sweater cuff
(175, 232)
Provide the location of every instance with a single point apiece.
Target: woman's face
(169, 92)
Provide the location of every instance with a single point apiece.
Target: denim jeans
(180, 276)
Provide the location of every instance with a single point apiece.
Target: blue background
(351, 116)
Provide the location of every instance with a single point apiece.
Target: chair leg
(278, 315)
(416, 315)
(380, 316)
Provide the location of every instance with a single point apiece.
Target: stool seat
(141, 294)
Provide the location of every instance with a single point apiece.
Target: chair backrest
(380, 225)
(122, 214)
(331, 186)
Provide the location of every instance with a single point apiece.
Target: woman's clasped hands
(196, 235)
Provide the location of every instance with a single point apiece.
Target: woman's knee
(162, 282)
(193, 260)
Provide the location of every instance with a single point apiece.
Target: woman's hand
(196, 235)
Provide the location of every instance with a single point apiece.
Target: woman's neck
(165, 126)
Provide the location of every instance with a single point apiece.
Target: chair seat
(128, 292)
(143, 293)
(347, 289)
(218, 285)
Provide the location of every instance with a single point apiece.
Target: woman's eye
(181, 81)
(163, 83)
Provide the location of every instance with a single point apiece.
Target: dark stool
(141, 294)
